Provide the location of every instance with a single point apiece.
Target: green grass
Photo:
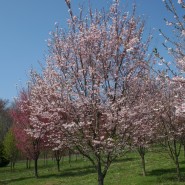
(124, 171)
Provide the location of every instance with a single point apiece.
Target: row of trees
(99, 93)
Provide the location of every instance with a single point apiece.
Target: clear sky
(25, 27)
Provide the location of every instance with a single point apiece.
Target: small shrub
(3, 162)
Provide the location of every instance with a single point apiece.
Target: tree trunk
(45, 158)
(100, 179)
(177, 168)
(143, 165)
(141, 151)
(176, 154)
(69, 158)
(29, 163)
(100, 175)
(58, 165)
(27, 160)
(36, 145)
(58, 157)
(11, 165)
(36, 167)
(52, 157)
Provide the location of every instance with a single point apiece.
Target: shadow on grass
(4, 182)
(69, 172)
(17, 170)
(80, 171)
(162, 171)
(45, 166)
(79, 168)
(168, 174)
(24, 169)
(182, 162)
(118, 160)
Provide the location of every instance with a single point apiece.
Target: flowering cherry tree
(83, 97)
(144, 123)
(169, 115)
(47, 111)
(168, 105)
(28, 145)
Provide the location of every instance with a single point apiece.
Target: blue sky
(25, 27)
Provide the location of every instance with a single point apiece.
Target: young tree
(85, 91)
(144, 130)
(29, 145)
(46, 112)
(169, 115)
(10, 148)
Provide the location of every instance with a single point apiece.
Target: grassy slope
(124, 171)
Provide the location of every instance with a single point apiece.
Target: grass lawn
(125, 171)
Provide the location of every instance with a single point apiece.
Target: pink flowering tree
(30, 146)
(84, 94)
(171, 101)
(47, 114)
(144, 128)
(169, 115)
(20, 123)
